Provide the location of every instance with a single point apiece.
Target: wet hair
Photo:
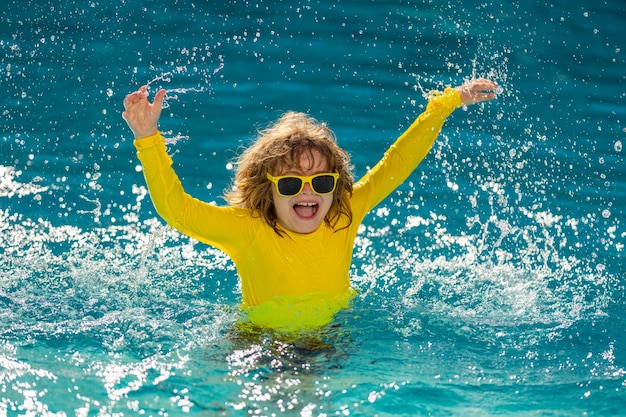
(280, 146)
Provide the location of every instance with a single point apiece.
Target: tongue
(305, 211)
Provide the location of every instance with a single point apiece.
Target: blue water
(491, 283)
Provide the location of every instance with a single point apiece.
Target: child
(294, 210)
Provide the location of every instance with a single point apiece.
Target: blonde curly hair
(281, 145)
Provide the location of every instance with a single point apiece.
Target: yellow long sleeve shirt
(295, 280)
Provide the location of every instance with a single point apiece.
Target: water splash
(127, 311)
(493, 66)
(496, 276)
(167, 77)
(9, 187)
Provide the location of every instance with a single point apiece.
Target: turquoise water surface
(491, 283)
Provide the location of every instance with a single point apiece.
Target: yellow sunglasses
(291, 185)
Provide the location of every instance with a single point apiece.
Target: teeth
(306, 204)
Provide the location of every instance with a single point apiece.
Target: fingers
(478, 97)
(482, 85)
(141, 97)
(136, 96)
(158, 98)
(131, 99)
(483, 81)
(477, 90)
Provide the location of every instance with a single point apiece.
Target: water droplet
(618, 146)
(606, 213)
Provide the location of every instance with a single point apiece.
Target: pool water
(491, 283)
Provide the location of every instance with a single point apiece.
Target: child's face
(304, 212)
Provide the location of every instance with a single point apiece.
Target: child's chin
(308, 226)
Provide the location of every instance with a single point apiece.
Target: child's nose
(307, 188)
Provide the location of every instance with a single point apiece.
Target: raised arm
(414, 144)
(202, 221)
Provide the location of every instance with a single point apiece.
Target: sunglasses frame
(304, 179)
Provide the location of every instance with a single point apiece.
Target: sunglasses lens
(323, 184)
(289, 186)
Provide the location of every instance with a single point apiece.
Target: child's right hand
(142, 116)
(477, 90)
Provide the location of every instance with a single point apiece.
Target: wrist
(148, 141)
(140, 134)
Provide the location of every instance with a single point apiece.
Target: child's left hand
(475, 91)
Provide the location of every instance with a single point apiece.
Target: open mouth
(306, 210)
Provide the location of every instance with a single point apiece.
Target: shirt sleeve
(401, 159)
(221, 227)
